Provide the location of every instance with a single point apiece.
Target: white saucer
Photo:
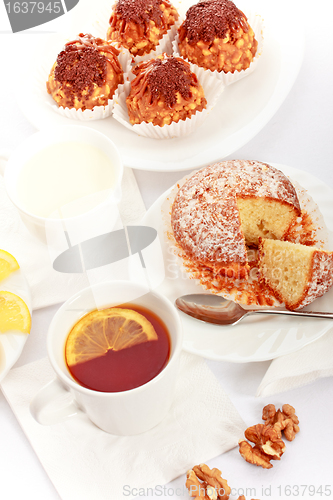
(12, 343)
(256, 338)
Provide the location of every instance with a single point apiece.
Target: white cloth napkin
(47, 285)
(84, 462)
(294, 370)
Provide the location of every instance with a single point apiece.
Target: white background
(299, 135)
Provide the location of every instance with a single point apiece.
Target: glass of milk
(65, 172)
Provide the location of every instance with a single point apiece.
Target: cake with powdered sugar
(224, 207)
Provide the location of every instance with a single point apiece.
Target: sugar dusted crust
(320, 279)
(205, 217)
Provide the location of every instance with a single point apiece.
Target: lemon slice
(8, 264)
(99, 331)
(14, 313)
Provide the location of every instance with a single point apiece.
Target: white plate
(254, 339)
(242, 111)
(12, 343)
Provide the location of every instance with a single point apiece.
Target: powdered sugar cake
(228, 204)
(199, 249)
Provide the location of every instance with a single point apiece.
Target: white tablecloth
(299, 135)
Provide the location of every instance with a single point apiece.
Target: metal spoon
(215, 309)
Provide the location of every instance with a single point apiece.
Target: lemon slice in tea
(99, 331)
(14, 313)
(8, 264)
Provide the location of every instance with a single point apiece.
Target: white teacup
(50, 137)
(123, 413)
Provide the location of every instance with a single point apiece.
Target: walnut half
(267, 439)
(286, 419)
(204, 483)
(267, 445)
(254, 455)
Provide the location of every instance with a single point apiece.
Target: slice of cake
(297, 274)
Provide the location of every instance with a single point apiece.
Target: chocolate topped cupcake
(138, 25)
(164, 91)
(216, 36)
(86, 73)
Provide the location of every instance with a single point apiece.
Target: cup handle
(4, 157)
(53, 392)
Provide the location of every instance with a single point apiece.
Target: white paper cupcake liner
(247, 287)
(257, 24)
(101, 26)
(98, 112)
(212, 90)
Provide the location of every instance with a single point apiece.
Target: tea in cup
(118, 348)
(142, 376)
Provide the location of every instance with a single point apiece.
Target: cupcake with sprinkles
(85, 78)
(143, 26)
(218, 37)
(164, 99)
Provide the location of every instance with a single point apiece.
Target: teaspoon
(215, 309)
